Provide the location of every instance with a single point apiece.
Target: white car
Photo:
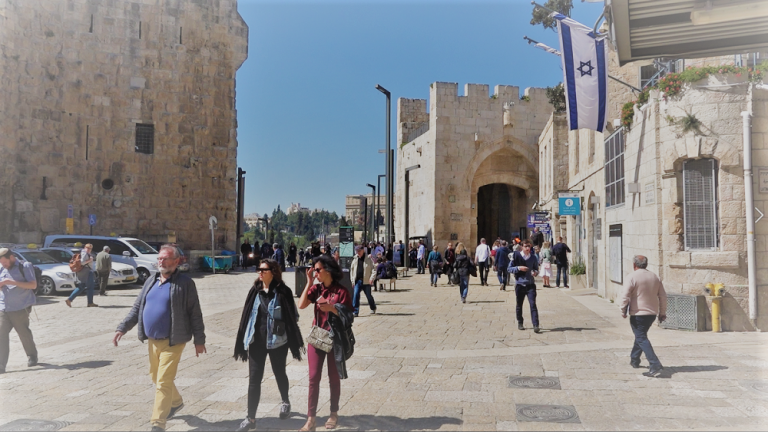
(57, 277)
(121, 274)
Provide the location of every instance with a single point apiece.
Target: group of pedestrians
(90, 269)
(253, 254)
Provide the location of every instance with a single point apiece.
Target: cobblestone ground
(425, 361)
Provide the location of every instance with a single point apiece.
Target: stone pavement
(425, 361)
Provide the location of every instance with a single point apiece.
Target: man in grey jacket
(168, 314)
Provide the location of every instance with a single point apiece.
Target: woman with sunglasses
(268, 327)
(331, 301)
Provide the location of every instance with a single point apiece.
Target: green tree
(541, 16)
(556, 96)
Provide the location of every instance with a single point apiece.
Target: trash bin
(301, 280)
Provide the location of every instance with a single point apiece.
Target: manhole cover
(34, 425)
(547, 413)
(535, 382)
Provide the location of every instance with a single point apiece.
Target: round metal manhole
(107, 184)
(547, 413)
(535, 382)
(34, 425)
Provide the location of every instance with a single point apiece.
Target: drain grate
(547, 413)
(552, 383)
(34, 425)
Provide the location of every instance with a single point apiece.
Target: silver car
(57, 277)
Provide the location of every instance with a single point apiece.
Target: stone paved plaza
(425, 361)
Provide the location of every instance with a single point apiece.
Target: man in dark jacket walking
(245, 252)
(525, 267)
(501, 263)
(279, 256)
(168, 314)
(450, 258)
(561, 251)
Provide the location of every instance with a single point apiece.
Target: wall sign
(615, 253)
(570, 204)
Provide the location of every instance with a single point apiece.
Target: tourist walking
(85, 277)
(256, 254)
(17, 296)
(501, 263)
(292, 254)
(482, 260)
(267, 250)
(421, 254)
(361, 271)
(279, 256)
(435, 261)
(537, 237)
(525, 267)
(103, 269)
(245, 253)
(464, 268)
(561, 251)
(332, 312)
(167, 311)
(450, 257)
(545, 263)
(301, 257)
(268, 327)
(644, 298)
(412, 254)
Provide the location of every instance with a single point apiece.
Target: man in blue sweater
(501, 264)
(525, 267)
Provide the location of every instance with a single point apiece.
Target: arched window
(700, 204)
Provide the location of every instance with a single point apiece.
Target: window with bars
(614, 169)
(145, 138)
(700, 204)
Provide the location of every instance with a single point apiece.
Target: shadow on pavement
(41, 301)
(94, 364)
(355, 422)
(668, 371)
(115, 307)
(487, 301)
(562, 329)
(394, 314)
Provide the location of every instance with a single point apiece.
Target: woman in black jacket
(463, 266)
(268, 327)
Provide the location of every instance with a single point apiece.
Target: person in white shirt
(482, 260)
(420, 256)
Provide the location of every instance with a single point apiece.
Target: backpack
(74, 263)
(391, 270)
(38, 275)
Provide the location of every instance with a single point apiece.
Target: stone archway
(500, 212)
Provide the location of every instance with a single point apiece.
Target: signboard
(570, 204)
(346, 241)
(70, 226)
(539, 220)
(91, 219)
(70, 212)
(615, 253)
(763, 180)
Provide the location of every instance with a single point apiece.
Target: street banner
(585, 69)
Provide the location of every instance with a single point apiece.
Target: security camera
(534, 206)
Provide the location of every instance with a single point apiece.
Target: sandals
(333, 421)
(309, 427)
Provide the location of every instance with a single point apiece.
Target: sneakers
(285, 410)
(92, 305)
(68, 302)
(635, 364)
(32, 362)
(536, 329)
(355, 315)
(520, 326)
(157, 429)
(373, 312)
(463, 300)
(654, 372)
(247, 425)
(103, 293)
(174, 410)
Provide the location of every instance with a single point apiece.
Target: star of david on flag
(585, 70)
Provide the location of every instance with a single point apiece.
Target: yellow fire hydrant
(716, 294)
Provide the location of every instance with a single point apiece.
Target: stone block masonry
(81, 79)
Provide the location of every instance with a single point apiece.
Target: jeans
(564, 269)
(361, 287)
(420, 265)
(503, 276)
(315, 358)
(257, 360)
(463, 286)
(434, 277)
(87, 285)
(19, 321)
(522, 291)
(163, 365)
(640, 325)
(483, 267)
(103, 282)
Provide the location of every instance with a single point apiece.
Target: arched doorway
(501, 212)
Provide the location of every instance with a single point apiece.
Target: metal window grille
(145, 138)
(614, 169)
(699, 204)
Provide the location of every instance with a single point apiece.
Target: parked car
(57, 277)
(126, 250)
(183, 262)
(121, 274)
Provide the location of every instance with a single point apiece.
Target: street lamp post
(407, 205)
(390, 172)
(266, 230)
(373, 195)
(364, 204)
(378, 203)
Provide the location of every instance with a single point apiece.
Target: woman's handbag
(320, 338)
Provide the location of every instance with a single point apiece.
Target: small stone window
(107, 184)
(145, 138)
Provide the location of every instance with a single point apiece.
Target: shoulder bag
(320, 338)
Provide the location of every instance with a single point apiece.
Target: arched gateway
(472, 162)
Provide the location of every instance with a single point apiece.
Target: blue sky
(310, 121)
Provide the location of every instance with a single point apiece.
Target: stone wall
(553, 169)
(473, 140)
(77, 76)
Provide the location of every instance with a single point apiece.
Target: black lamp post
(390, 164)
(407, 206)
(373, 195)
(378, 203)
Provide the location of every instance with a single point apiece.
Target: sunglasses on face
(262, 270)
(318, 269)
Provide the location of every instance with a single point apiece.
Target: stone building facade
(124, 110)
(478, 158)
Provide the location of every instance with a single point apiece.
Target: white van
(126, 250)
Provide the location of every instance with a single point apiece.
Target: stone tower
(478, 157)
(122, 109)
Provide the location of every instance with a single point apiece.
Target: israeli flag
(585, 68)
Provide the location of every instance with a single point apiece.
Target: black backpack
(391, 270)
(38, 275)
